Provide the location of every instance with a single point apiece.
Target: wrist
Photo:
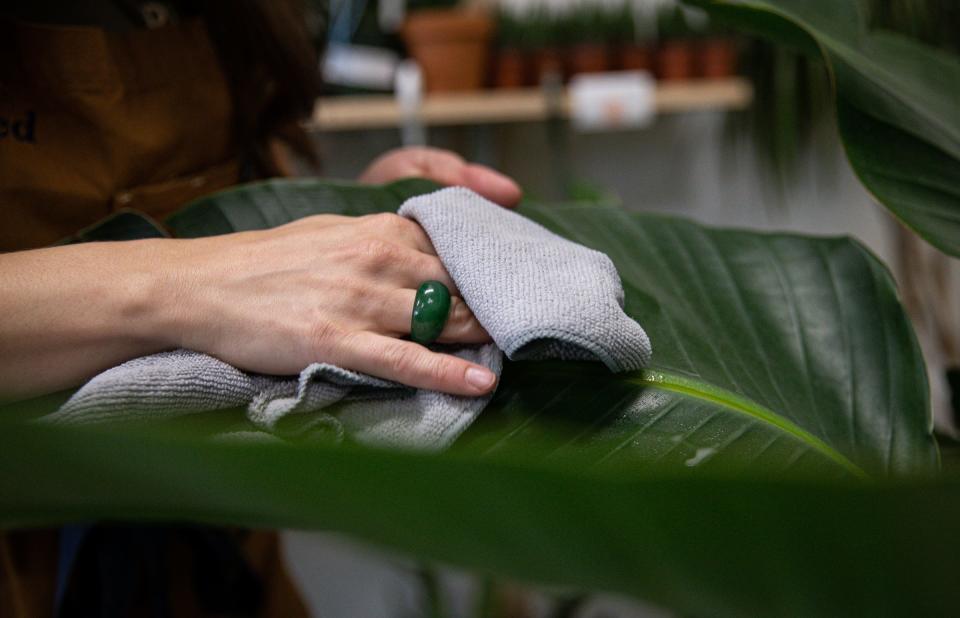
(154, 293)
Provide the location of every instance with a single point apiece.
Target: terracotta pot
(633, 57)
(450, 45)
(676, 60)
(510, 69)
(718, 58)
(588, 58)
(547, 61)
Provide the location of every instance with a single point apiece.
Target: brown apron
(92, 122)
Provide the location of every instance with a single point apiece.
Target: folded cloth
(539, 296)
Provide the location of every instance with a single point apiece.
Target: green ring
(430, 310)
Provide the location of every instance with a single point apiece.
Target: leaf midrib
(698, 389)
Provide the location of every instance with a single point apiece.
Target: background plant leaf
(724, 480)
(897, 101)
(123, 224)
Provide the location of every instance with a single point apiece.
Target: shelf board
(350, 113)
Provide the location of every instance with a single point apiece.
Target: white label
(408, 91)
(359, 66)
(607, 101)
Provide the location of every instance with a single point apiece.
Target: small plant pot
(634, 57)
(510, 69)
(547, 61)
(718, 58)
(450, 45)
(676, 60)
(588, 58)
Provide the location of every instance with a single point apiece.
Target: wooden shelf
(350, 113)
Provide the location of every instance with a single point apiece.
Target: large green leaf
(705, 545)
(791, 350)
(727, 479)
(898, 103)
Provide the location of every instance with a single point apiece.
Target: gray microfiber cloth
(539, 296)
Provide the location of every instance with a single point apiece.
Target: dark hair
(271, 64)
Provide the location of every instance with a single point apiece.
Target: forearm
(71, 312)
(330, 289)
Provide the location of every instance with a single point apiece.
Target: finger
(439, 165)
(395, 164)
(398, 229)
(410, 363)
(491, 184)
(419, 267)
(449, 169)
(461, 327)
(402, 267)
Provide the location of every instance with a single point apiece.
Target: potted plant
(543, 32)
(510, 65)
(676, 52)
(717, 53)
(450, 44)
(634, 48)
(587, 30)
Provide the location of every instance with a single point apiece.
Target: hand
(444, 167)
(322, 289)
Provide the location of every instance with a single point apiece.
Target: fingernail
(480, 379)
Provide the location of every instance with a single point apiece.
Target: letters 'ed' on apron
(94, 121)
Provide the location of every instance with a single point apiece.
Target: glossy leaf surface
(786, 350)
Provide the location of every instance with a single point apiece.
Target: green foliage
(896, 102)
(589, 23)
(544, 26)
(699, 544)
(534, 29)
(673, 23)
(934, 22)
(620, 24)
(785, 373)
(793, 95)
(510, 32)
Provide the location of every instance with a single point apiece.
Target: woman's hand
(322, 289)
(444, 167)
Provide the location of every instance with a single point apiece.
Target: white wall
(686, 164)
